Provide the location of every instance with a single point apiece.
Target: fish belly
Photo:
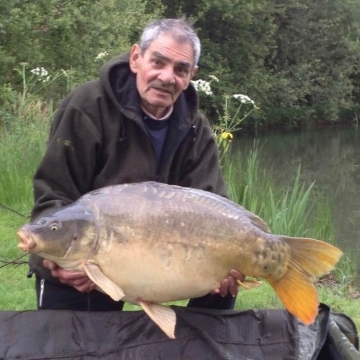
(167, 272)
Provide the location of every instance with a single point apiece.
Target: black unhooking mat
(200, 334)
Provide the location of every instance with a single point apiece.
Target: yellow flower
(227, 135)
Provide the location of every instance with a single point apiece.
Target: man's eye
(182, 71)
(156, 62)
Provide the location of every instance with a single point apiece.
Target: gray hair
(180, 29)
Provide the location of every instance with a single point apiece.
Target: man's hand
(78, 279)
(228, 285)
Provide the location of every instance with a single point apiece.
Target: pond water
(329, 156)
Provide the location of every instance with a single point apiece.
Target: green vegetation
(298, 60)
(298, 211)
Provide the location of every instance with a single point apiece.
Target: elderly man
(138, 122)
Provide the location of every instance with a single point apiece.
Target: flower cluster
(244, 99)
(39, 71)
(230, 116)
(42, 73)
(202, 86)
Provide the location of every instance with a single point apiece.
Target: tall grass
(296, 211)
(23, 131)
(22, 143)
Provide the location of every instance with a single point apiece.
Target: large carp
(148, 243)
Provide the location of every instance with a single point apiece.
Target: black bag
(200, 335)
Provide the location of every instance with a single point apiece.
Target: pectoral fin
(105, 284)
(249, 284)
(163, 316)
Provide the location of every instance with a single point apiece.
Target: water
(329, 156)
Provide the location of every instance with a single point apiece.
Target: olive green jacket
(98, 138)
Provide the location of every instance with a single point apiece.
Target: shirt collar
(166, 116)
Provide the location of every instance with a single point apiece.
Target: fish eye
(54, 227)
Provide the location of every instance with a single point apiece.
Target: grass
(23, 141)
(16, 290)
(297, 211)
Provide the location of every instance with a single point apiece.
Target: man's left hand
(228, 285)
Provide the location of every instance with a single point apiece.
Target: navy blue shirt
(157, 130)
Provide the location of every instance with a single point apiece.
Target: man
(138, 122)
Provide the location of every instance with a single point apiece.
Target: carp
(149, 243)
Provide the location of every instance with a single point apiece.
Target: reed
(295, 211)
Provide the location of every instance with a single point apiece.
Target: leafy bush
(67, 35)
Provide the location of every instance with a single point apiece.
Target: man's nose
(167, 75)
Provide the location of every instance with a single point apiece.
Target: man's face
(162, 72)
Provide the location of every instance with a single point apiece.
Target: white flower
(35, 71)
(43, 72)
(202, 86)
(39, 71)
(244, 99)
(101, 55)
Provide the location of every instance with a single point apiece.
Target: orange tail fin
(309, 259)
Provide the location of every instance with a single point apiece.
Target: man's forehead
(168, 48)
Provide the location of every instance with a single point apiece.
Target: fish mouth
(26, 241)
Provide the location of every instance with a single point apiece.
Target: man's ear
(192, 74)
(135, 53)
(194, 71)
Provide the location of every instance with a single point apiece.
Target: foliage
(316, 53)
(235, 36)
(298, 59)
(67, 35)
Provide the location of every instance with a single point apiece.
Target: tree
(314, 59)
(297, 59)
(68, 35)
(236, 36)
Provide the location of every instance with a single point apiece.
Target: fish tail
(310, 258)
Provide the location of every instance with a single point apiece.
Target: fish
(150, 243)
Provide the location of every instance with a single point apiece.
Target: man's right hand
(78, 279)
